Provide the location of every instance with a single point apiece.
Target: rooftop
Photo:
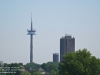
(67, 36)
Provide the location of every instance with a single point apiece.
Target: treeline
(80, 62)
(49, 68)
(12, 69)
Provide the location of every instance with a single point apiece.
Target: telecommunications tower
(31, 32)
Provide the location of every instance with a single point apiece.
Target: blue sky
(52, 19)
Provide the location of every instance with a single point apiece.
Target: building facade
(67, 44)
(55, 57)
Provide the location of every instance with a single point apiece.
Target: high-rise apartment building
(67, 44)
(55, 57)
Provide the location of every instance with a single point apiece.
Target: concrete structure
(67, 44)
(1, 64)
(31, 32)
(55, 57)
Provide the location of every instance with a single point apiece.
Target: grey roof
(41, 70)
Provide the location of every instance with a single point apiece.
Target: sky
(52, 19)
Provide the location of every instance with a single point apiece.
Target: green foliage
(13, 67)
(80, 63)
(36, 72)
(51, 68)
(1, 70)
(25, 73)
(52, 72)
(6, 65)
(31, 66)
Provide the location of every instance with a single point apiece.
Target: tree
(36, 72)
(13, 67)
(50, 66)
(31, 66)
(52, 72)
(1, 70)
(25, 73)
(80, 62)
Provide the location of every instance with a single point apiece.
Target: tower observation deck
(31, 32)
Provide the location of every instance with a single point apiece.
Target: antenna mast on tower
(31, 32)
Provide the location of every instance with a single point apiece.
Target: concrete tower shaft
(31, 32)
